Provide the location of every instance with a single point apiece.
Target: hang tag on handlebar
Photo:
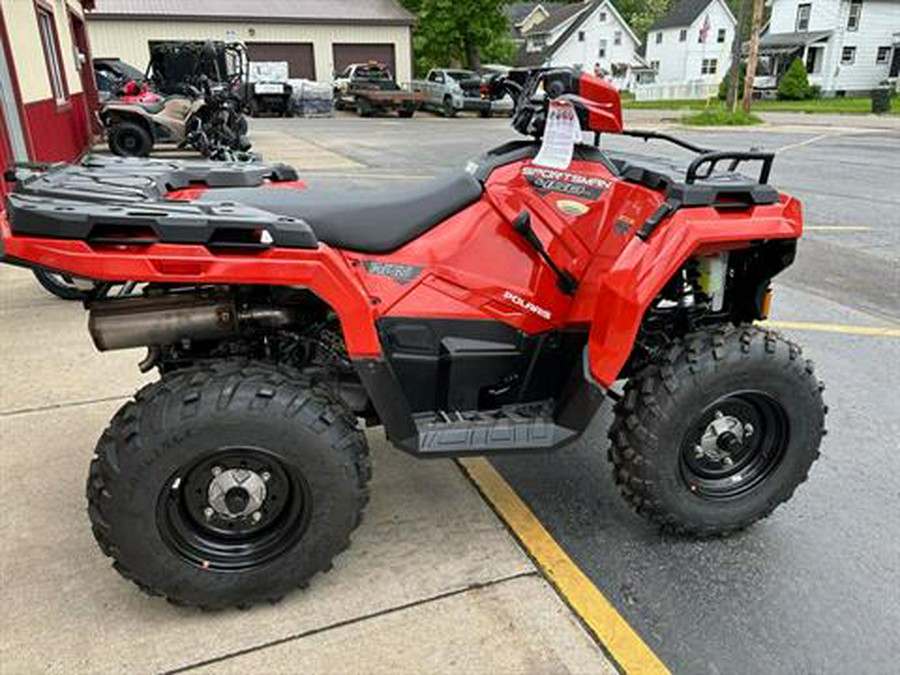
(562, 132)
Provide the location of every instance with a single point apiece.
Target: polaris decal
(563, 182)
(402, 274)
(527, 306)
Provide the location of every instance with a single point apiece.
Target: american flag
(704, 32)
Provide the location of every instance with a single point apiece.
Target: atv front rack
(701, 184)
(122, 201)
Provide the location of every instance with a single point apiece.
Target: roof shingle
(558, 15)
(682, 14)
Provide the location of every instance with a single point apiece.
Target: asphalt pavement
(816, 587)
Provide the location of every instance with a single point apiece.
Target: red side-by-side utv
(492, 311)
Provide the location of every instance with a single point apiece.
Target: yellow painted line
(873, 331)
(616, 636)
(837, 228)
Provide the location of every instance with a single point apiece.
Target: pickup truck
(370, 88)
(449, 91)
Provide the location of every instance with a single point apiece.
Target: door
(16, 148)
(345, 54)
(299, 56)
(6, 156)
(85, 69)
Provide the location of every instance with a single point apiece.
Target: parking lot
(439, 560)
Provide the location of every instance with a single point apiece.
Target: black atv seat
(367, 221)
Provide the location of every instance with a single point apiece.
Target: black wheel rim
(129, 141)
(228, 543)
(742, 459)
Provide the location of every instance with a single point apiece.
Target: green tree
(723, 85)
(794, 84)
(459, 32)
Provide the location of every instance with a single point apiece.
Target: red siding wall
(58, 133)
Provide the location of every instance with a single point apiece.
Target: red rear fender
(323, 271)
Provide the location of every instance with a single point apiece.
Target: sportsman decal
(546, 181)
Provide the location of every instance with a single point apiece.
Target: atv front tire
(228, 484)
(129, 139)
(718, 432)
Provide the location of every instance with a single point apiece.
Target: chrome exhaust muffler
(127, 323)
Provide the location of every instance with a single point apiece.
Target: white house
(585, 35)
(848, 46)
(690, 48)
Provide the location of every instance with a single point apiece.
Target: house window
(617, 37)
(581, 36)
(537, 43)
(848, 56)
(814, 60)
(659, 38)
(51, 54)
(721, 36)
(602, 17)
(709, 66)
(682, 35)
(855, 13)
(803, 12)
(655, 65)
(601, 52)
(884, 55)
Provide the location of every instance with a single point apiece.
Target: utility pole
(753, 56)
(734, 77)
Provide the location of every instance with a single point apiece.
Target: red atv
(489, 312)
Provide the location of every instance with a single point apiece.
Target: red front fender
(643, 269)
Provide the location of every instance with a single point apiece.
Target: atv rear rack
(121, 202)
(137, 180)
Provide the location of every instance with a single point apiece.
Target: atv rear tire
(60, 285)
(718, 432)
(228, 484)
(129, 139)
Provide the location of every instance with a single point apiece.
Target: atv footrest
(522, 428)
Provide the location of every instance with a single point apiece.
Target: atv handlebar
(595, 101)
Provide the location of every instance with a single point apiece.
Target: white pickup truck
(450, 91)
